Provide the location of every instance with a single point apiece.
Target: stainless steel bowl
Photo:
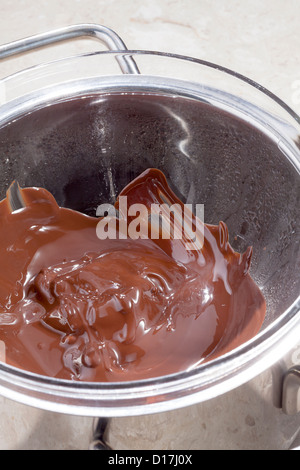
(223, 141)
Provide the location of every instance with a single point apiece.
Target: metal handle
(100, 434)
(291, 391)
(104, 34)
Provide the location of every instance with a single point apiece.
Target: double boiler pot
(222, 141)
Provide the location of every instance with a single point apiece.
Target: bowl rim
(172, 391)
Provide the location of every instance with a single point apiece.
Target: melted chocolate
(77, 307)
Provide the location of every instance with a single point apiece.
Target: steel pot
(223, 141)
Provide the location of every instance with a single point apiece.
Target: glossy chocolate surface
(77, 307)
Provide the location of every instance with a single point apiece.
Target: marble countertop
(257, 39)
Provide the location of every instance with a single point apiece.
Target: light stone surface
(257, 39)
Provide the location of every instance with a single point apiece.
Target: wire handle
(104, 34)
